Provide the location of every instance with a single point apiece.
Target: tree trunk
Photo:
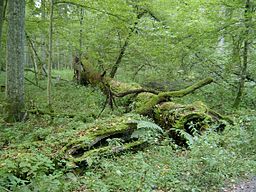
(1, 19)
(33, 55)
(94, 140)
(49, 96)
(42, 62)
(81, 32)
(2, 14)
(15, 60)
(243, 74)
(58, 54)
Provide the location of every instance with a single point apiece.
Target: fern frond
(147, 125)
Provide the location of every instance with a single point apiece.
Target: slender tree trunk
(248, 18)
(33, 55)
(2, 15)
(15, 60)
(77, 65)
(70, 57)
(81, 32)
(43, 45)
(242, 76)
(125, 45)
(58, 54)
(1, 19)
(49, 96)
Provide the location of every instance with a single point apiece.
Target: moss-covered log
(148, 103)
(172, 117)
(95, 140)
(193, 119)
(118, 134)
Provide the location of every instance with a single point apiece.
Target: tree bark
(15, 60)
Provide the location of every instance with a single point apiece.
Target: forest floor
(244, 186)
(214, 162)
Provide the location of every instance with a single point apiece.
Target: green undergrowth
(30, 151)
(29, 162)
(212, 161)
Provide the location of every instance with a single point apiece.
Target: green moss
(103, 151)
(120, 87)
(86, 139)
(149, 104)
(200, 120)
(172, 115)
(146, 104)
(169, 106)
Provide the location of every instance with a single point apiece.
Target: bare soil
(245, 186)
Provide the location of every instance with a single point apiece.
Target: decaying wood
(148, 105)
(93, 141)
(171, 117)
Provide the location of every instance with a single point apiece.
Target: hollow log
(194, 119)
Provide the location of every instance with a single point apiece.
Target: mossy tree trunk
(145, 99)
(173, 119)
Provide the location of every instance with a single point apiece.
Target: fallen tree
(180, 122)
